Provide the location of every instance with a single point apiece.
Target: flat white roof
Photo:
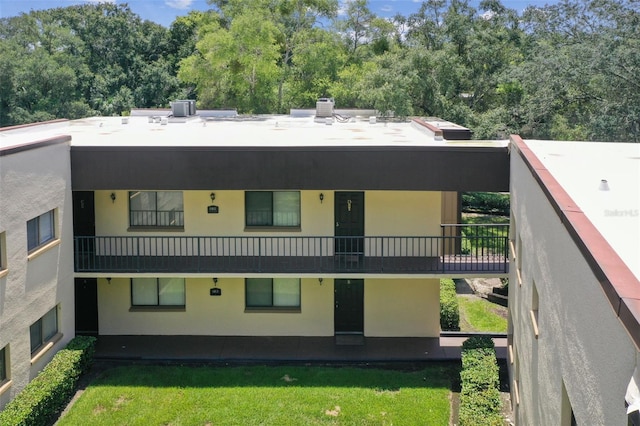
(268, 130)
(580, 167)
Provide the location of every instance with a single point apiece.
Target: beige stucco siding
(413, 311)
(397, 213)
(402, 308)
(581, 342)
(33, 182)
(216, 315)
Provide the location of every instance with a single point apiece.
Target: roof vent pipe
(604, 185)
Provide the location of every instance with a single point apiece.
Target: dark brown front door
(349, 306)
(86, 306)
(349, 229)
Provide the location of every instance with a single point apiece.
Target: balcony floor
(282, 349)
(353, 263)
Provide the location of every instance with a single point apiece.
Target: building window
(272, 292)
(278, 208)
(3, 365)
(157, 292)
(3, 251)
(156, 208)
(40, 230)
(44, 329)
(534, 309)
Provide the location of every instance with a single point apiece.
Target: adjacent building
(36, 252)
(574, 294)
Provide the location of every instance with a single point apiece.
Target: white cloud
(100, 1)
(179, 4)
(386, 8)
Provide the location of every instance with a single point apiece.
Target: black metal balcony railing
(268, 254)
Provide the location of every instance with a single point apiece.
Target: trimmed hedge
(486, 203)
(480, 403)
(449, 310)
(52, 389)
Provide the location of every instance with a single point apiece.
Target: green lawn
(179, 395)
(484, 240)
(478, 314)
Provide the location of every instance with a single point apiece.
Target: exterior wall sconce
(109, 280)
(320, 280)
(113, 197)
(215, 281)
(321, 197)
(213, 196)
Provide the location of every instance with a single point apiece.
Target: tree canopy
(565, 71)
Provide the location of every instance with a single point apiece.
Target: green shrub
(480, 395)
(51, 390)
(485, 202)
(449, 311)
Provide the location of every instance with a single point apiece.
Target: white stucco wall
(33, 182)
(582, 344)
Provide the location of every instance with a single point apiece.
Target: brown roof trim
(620, 285)
(34, 145)
(436, 130)
(24, 126)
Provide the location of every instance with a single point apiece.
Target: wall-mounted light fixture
(320, 281)
(215, 281)
(321, 197)
(213, 196)
(113, 197)
(109, 280)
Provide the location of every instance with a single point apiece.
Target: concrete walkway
(282, 349)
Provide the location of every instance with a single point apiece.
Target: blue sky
(164, 12)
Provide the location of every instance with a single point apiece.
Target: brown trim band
(620, 285)
(24, 126)
(9, 150)
(402, 168)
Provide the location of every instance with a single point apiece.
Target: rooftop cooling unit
(180, 108)
(192, 105)
(324, 107)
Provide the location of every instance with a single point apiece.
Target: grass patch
(179, 395)
(484, 240)
(478, 219)
(478, 314)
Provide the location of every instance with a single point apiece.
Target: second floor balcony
(460, 249)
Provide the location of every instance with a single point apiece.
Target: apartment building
(271, 226)
(574, 292)
(36, 252)
(217, 224)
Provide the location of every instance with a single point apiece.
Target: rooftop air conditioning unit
(192, 105)
(180, 108)
(324, 107)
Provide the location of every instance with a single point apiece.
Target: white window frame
(4, 365)
(3, 254)
(273, 220)
(36, 225)
(156, 218)
(278, 300)
(156, 299)
(44, 336)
